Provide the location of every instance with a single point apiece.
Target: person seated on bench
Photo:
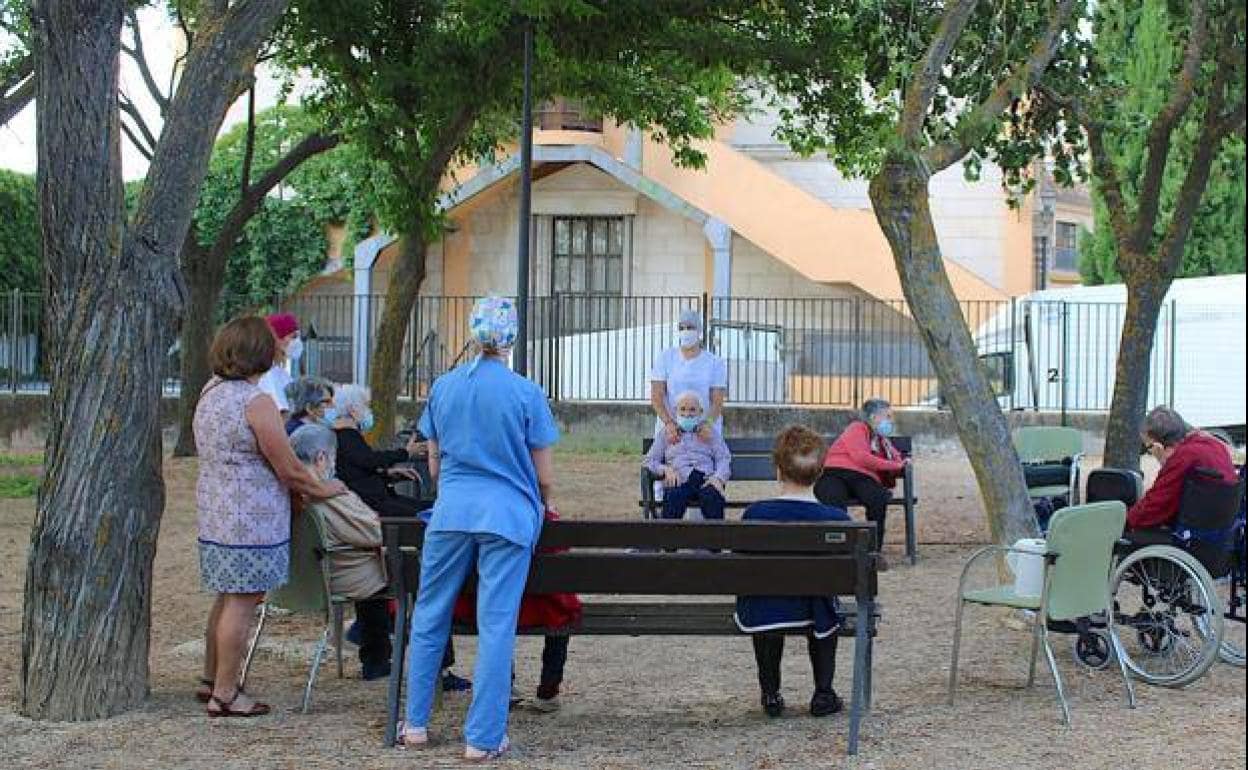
(311, 403)
(358, 574)
(863, 465)
(693, 469)
(797, 456)
(368, 472)
(1181, 450)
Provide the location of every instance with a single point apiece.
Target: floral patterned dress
(244, 510)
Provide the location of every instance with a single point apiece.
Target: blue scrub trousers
(502, 568)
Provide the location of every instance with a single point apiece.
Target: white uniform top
(274, 382)
(699, 374)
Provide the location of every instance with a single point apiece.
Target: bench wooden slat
(762, 445)
(673, 619)
(786, 537)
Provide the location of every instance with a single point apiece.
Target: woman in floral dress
(246, 472)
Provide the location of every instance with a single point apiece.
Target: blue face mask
(327, 419)
(688, 424)
(367, 422)
(885, 428)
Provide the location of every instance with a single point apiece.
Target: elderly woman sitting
(358, 574)
(311, 403)
(694, 469)
(367, 472)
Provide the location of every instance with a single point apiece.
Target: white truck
(1056, 350)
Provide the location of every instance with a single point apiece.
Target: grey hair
(873, 406)
(352, 396)
(1166, 426)
(690, 394)
(307, 392)
(308, 441)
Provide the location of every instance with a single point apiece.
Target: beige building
(785, 250)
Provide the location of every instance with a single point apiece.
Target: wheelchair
(1174, 591)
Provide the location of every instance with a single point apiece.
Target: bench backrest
(628, 557)
(751, 455)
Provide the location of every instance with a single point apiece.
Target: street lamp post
(520, 361)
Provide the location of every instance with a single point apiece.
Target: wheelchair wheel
(1094, 649)
(1231, 592)
(1167, 615)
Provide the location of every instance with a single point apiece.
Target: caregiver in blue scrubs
(490, 435)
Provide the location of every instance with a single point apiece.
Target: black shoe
(824, 704)
(371, 671)
(773, 704)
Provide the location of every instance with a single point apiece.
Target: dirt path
(647, 702)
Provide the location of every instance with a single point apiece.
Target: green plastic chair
(1078, 560)
(307, 591)
(1040, 444)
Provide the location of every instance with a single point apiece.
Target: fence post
(15, 308)
(855, 367)
(556, 369)
(1174, 337)
(1013, 349)
(1064, 357)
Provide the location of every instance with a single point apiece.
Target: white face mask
(294, 351)
(688, 337)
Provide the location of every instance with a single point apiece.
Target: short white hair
(352, 396)
(308, 441)
(693, 394)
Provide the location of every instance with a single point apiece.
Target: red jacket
(1160, 504)
(858, 449)
(536, 610)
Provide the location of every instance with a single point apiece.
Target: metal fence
(1045, 355)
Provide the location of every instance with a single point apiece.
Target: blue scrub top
(486, 419)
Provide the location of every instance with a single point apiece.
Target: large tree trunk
(114, 297)
(1145, 295)
(386, 372)
(205, 278)
(899, 194)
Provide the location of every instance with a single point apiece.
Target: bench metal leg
(912, 545)
(398, 654)
(861, 661)
(868, 673)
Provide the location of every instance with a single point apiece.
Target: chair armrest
(987, 550)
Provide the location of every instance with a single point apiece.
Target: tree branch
(249, 146)
(1108, 181)
(128, 107)
(971, 127)
(1157, 146)
(140, 58)
(918, 97)
(21, 70)
(13, 102)
(135, 141)
(253, 197)
(1215, 127)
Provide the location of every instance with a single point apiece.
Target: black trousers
(373, 616)
(769, 651)
(398, 505)
(554, 657)
(840, 487)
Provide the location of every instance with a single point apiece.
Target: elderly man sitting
(358, 574)
(694, 469)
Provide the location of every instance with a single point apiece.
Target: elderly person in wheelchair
(1171, 595)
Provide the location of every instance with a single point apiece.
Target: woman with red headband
(285, 329)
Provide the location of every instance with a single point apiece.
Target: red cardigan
(858, 449)
(1160, 504)
(536, 610)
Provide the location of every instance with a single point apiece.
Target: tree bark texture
(899, 195)
(203, 270)
(113, 297)
(1145, 295)
(386, 370)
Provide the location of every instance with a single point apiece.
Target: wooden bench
(637, 558)
(751, 461)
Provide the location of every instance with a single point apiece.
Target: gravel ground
(647, 702)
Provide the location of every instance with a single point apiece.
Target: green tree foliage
(285, 243)
(1136, 45)
(21, 260)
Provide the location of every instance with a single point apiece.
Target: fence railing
(1045, 355)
